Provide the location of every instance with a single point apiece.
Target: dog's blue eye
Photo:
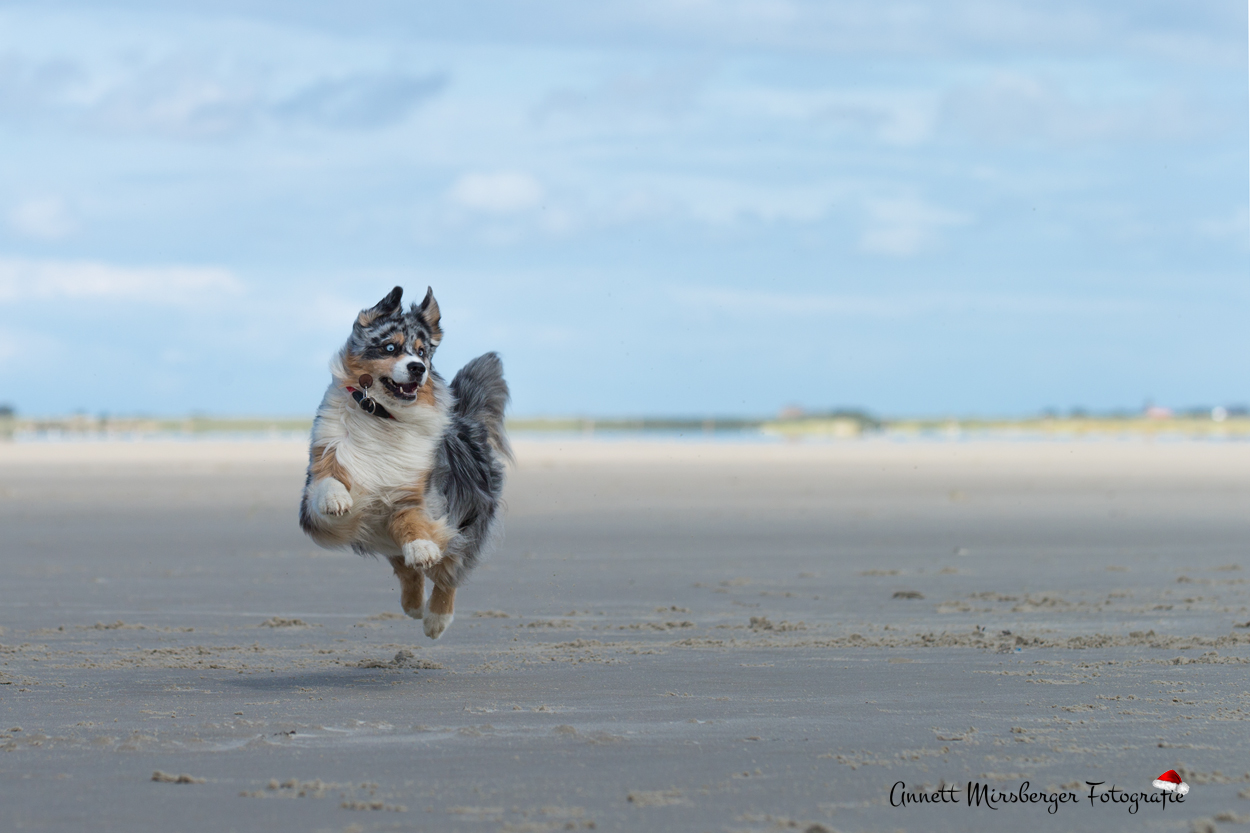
(421, 352)
(390, 348)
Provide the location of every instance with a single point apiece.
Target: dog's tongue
(411, 387)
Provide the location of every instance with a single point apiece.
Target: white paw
(331, 498)
(415, 612)
(436, 623)
(421, 553)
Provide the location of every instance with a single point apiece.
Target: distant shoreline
(814, 428)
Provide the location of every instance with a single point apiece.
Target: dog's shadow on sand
(337, 679)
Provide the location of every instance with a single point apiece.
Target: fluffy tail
(481, 395)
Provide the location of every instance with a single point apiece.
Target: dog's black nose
(415, 369)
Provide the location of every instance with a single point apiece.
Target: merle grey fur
(375, 326)
(466, 482)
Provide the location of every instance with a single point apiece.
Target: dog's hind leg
(441, 610)
(411, 587)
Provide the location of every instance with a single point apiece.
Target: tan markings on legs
(439, 610)
(411, 587)
(325, 464)
(325, 511)
(411, 524)
(438, 613)
(443, 600)
(443, 573)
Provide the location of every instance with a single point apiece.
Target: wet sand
(672, 637)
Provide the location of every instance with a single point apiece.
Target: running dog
(408, 468)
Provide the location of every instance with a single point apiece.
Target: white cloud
(43, 218)
(64, 280)
(1012, 108)
(198, 94)
(498, 193)
(903, 227)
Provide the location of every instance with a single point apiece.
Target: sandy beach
(698, 636)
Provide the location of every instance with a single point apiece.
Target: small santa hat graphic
(1171, 782)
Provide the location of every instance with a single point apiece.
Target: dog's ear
(382, 309)
(428, 313)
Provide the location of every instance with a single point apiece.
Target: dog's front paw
(421, 553)
(331, 498)
(435, 623)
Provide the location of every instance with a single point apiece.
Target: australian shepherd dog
(403, 465)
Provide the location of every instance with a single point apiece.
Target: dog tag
(365, 380)
(367, 405)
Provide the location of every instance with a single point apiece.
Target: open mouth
(404, 392)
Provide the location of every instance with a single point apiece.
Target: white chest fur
(379, 455)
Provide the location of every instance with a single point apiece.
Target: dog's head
(395, 346)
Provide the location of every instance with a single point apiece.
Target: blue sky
(647, 207)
